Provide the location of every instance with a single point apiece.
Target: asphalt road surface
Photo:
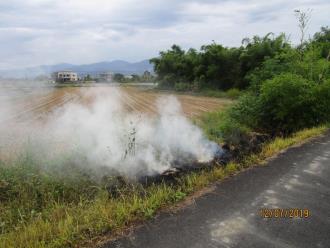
(230, 215)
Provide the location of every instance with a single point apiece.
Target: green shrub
(246, 110)
(213, 93)
(182, 87)
(321, 106)
(232, 132)
(284, 104)
(167, 82)
(233, 93)
(220, 127)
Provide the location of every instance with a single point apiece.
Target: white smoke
(105, 134)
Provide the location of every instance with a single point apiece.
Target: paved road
(229, 216)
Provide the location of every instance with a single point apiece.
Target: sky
(44, 32)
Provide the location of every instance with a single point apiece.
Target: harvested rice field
(25, 102)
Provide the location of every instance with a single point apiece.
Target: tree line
(286, 87)
(217, 67)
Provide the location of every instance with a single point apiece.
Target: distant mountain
(116, 66)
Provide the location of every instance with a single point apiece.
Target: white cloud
(36, 32)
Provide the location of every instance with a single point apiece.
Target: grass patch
(54, 211)
(278, 144)
(63, 224)
(231, 93)
(221, 128)
(182, 88)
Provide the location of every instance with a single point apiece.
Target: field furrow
(34, 104)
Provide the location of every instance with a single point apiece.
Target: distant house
(65, 76)
(128, 76)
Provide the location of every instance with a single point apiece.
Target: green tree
(322, 39)
(118, 77)
(88, 78)
(258, 50)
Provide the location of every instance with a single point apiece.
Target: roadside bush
(321, 97)
(233, 133)
(213, 93)
(220, 127)
(284, 104)
(167, 82)
(182, 86)
(246, 110)
(233, 93)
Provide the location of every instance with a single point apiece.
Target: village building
(128, 76)
(65, 76)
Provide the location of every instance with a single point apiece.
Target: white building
(128, 76)
(65, 76)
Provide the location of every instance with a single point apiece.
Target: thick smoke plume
(103, 133)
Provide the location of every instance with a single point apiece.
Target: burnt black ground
(229, 216)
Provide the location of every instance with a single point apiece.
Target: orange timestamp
(284, 213)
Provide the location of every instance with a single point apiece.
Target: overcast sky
(34, 32)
